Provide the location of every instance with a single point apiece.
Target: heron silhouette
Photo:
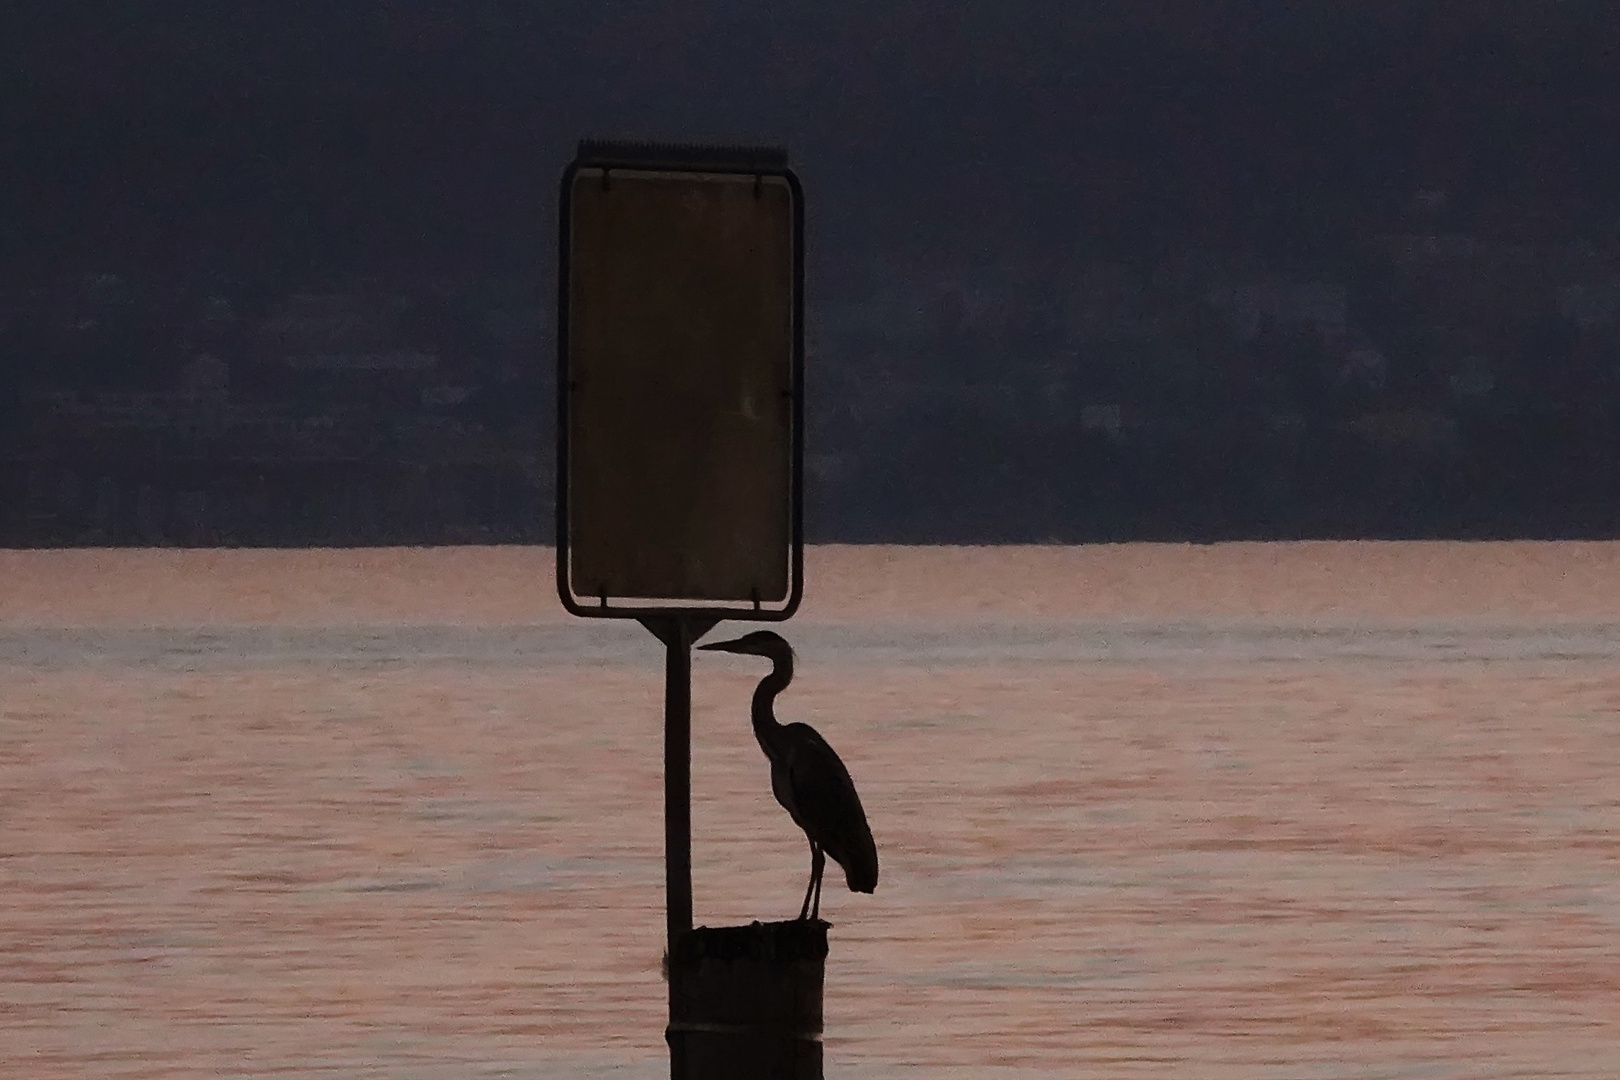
(808, 778)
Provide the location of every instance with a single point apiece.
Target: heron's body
(808, 778)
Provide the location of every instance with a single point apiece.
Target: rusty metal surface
(680, 381)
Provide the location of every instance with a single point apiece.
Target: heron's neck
(765, 726)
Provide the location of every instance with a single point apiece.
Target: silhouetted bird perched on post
(808, 779)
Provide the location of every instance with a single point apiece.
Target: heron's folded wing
(830, 809)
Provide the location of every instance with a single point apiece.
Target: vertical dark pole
(677, 637)
(677, 632)
(678, 778)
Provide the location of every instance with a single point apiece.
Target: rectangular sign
(680, 360)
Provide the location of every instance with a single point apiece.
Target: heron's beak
(721, 646)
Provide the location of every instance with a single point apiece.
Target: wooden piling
(745, 1002)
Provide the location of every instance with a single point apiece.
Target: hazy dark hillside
(283, 273)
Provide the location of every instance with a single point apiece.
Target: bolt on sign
(680, 352)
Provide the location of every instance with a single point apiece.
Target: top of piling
(780, 942)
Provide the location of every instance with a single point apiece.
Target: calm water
(1253, 811)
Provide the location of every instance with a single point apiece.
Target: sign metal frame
(634, 158)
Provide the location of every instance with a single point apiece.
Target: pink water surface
(1240, 811)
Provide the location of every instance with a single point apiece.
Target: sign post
(680, 441)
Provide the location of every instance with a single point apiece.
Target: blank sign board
(680, 365)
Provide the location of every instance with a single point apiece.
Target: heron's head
(767, 643)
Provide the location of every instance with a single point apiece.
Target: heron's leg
(804, 910)
(818, 863)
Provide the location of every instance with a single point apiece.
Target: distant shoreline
(513, 585)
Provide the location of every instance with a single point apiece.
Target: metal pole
(677, 638)
(678, 778)
(677, 632)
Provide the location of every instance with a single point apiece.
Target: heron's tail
(861, 865)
